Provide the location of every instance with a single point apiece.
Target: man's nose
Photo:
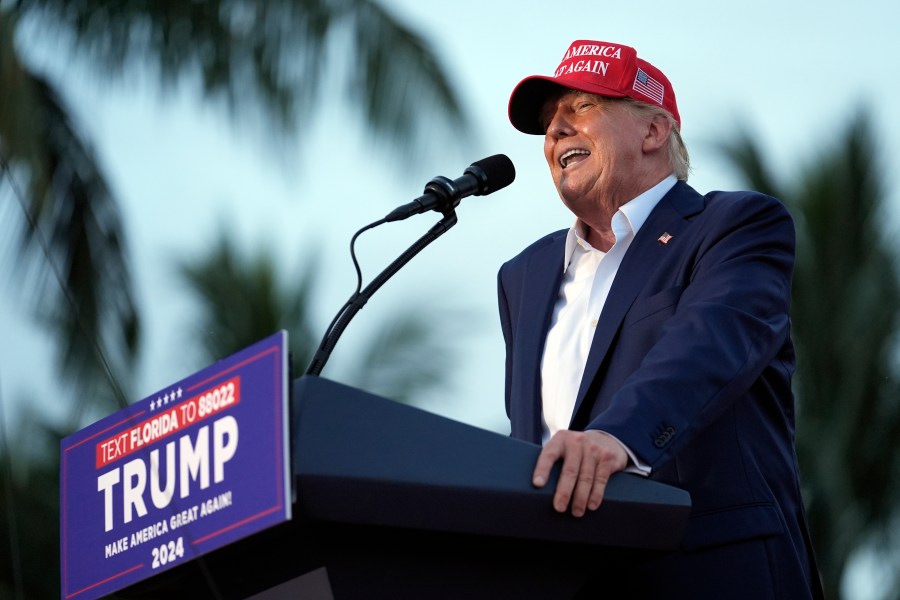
(559, 126)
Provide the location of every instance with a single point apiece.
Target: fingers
(550, 453)
(559, 447)
(584, 484)
(570, 477)
(598, 489)
(589, 458)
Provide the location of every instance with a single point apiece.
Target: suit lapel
(669, 217)
(542, 278)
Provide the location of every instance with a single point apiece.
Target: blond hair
(679, 159)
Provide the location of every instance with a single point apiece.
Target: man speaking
(653, 335)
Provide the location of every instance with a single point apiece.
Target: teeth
(564, 159)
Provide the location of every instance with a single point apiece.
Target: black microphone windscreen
(496, 172)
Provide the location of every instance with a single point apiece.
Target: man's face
(593, 146)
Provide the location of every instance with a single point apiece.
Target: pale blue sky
(794, 71)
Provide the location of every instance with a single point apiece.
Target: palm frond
(242, 301)
(71, 243)
(275, 55)
(846, 315)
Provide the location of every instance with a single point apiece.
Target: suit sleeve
(709, 336)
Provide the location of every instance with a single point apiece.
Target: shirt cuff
(635, 465)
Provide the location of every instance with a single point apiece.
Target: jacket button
(663, 438)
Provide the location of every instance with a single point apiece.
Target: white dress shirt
(588, 276)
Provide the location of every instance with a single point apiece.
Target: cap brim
(528, 98)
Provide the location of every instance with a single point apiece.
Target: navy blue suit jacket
(690, 365)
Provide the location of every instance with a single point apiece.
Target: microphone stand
(358, 300)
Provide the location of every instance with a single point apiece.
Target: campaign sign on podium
(197, 466)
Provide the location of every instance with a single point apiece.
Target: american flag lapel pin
(664, 238)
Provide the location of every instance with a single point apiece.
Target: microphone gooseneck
(480, 178)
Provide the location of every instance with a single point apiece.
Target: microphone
(479, 179)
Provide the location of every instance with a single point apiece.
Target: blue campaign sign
(193, 468)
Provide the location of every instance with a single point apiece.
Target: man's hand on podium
(589, 459)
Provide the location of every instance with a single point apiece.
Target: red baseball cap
(602, 68)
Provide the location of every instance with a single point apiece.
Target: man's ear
(657, 133)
